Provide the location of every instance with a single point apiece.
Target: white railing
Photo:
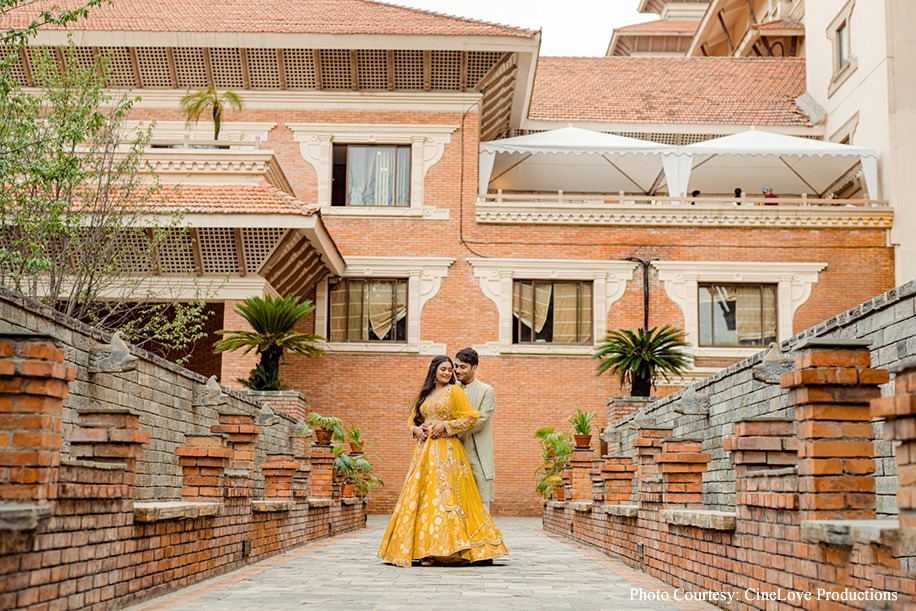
(188, 143)
(626, 199)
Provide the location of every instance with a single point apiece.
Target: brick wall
(116, 486)
(887, 322)
(803, 532)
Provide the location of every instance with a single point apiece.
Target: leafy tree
(76, 211)
(639, 358)
(196, 104)
(273, 321)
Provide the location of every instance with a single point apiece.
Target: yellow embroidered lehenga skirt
(439, 514)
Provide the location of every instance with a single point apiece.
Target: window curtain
(357, 323)
(566, 313)
(371, 175)
(383, 301)
(531, 303)
(338, 299)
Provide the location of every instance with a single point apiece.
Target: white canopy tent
(576, 160)
(756, 158)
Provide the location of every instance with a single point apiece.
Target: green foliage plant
(273, 321)
(194, 105)
(328, 423)
(640, 358)
(556, 449)
(581, 421)
(81, 221)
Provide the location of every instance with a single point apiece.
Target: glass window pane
(401, 301)
(371, 175)
(705, 315)
(747, 315)
(842, 40)
(357, 330)
(585, 317)
(723, 312)
(769, 314)
(338, 312)
(403, 178)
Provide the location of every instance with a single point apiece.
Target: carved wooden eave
(556, 213)
(303, 258)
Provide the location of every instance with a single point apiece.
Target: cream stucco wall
(876, 103)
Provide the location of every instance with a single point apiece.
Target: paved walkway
(343, 573)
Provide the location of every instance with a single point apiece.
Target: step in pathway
(540, 572)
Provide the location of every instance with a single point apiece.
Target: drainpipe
(645, 287)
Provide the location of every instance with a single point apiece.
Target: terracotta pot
(551, 453)
(323, 437)
(347, 490)
(356, 449)
(583, 441)
(559, 494)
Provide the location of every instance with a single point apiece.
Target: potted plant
(640, 358)
(344, 469)
(354, 436)
(582, 427)
(556, 448)
(363, 478)
(273, 320)
(327, 428)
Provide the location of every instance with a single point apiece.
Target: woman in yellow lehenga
(439, 516)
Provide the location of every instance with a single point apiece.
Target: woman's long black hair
(428, 385)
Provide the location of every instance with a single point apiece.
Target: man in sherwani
(478, 441)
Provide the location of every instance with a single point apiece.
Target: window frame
(517, 322)
(713, 344)
(841, 69)
(346, 189)
(794, 280)
(394, 322)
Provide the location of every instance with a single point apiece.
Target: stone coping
(579, 505)
(556, 504)
(813, 343)
(772, 472)
(710, 520)
(91, 464)
(22, 516)
(351, 500)
(621, 511)
(263, 506)
(320, 502)
(849, 532)
(175, 510)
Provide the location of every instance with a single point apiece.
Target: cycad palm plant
(640, 358)
(196, 104)
(273, 321)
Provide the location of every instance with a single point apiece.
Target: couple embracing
(442, 515)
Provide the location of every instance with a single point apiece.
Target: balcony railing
(564, 208)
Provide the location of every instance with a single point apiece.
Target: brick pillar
(243, 438)
(301, 478)
(278, 471)
(33, 385)
(649, 484)
(580, 478)
(682, 465)
(899, 413)
(203, 464)
(321, 459)
(762, 444)
(831, 388)
(618, 473)
(109, 435)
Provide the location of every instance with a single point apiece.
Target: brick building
(351, 178)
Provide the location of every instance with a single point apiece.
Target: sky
(569, 27)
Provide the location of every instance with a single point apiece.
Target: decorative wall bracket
(210, 393)
(112, 358)
(692, 403)
(267, 416)
(774, 365)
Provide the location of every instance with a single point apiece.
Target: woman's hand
(420, 432)
(438, 430)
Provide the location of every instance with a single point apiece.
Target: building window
(737, 314)
(369, 175)
(368, 311)
(842, 45)
(551, 312)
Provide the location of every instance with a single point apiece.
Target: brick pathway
(343, 573)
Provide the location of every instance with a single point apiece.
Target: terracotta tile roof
(263, 198)
(778, 25)
(661, 26)
(274, 16)
(718, 90)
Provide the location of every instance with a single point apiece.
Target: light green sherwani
(478, 441)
